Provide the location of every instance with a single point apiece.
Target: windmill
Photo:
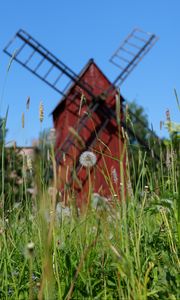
(85, 118)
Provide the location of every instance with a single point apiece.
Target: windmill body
(93, 130)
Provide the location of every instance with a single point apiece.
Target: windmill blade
(41, 62)
(131, 51)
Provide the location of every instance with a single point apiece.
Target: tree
(142, 141)
(137, 120)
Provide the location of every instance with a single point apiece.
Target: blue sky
(76, 31)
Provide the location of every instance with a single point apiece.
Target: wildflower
(41, 112)
(88, 159)
(22, 120)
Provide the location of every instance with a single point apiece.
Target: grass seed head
(114, 175)
(41, 112)
(29, 163)
(118, 107)
(28, 103)
(168, 118)
(22, 120)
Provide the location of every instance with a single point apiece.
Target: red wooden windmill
(85, 119)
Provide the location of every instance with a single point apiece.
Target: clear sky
(76, 31)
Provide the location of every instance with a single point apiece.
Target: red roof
(83, 71)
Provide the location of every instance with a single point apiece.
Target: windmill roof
(83, 71)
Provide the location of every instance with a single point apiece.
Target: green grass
(125, 251)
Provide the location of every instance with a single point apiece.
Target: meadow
(128, 250)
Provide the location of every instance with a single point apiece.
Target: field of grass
(128, 250)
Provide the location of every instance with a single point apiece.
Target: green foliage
(139, 127)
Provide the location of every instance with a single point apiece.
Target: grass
(128, 250)
(125, 251)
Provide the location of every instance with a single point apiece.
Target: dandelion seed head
(88, 159)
